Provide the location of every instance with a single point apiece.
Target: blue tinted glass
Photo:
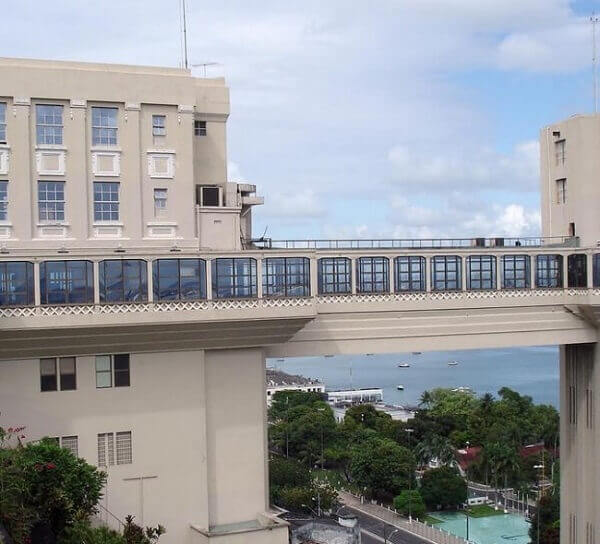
(16, 284)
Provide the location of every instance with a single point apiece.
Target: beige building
(136, 313)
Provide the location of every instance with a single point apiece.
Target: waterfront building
(356, 396)
(137, 310)
(281, 381)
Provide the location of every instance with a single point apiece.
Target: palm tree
(426, 399)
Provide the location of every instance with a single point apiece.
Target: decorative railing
(155, 307)
(288, 302)
(417, 243)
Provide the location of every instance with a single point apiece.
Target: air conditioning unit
(209, 196)
(499, 242)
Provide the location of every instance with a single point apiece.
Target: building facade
(136, 311)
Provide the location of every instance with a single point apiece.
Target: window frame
(159, 129)
(102, 132)
(3, 108)
(561, 191)
(69, 268)
(105, 205)
(47, 130)
(446, 260)
(596, 270)
(54, 207)
(560, 151)
(200, 127)
(275, 269)
(54, 374)
(514, 273)
(142, 281)
(338, 267)
(576, 273)
(3, 200)
(160, 211)
(156, 279)
(476, 274)
(543, 274)
(7, 284)
(369, 279)
(413, 285)
(118, 377)
(236, 290)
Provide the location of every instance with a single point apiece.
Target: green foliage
(295, 487)
(435, 446)
(282, 401)
(410, 502)
(82, 532)
(41, 482)
(443, 487)
(547, 515)
(381, 466)
(306, 428)
(134, 534)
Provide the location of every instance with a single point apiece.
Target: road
(372, 530)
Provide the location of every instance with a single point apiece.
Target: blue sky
(359, 118)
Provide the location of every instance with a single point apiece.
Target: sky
(358, 118)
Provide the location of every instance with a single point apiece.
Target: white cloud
(301, 204)
(456, 168)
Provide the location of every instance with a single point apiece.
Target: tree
(282, 401)
(381, 466)
(44, 485)
(443, 487)
(435, 446)
(547, 514)
(410, 502)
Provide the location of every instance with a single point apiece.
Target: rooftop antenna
(595, 20)
(205, 64)
(184, 29)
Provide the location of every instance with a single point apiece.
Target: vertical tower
(570, 178)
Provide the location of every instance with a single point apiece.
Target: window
(199, 128)
(112, 371)
(123, 280)
(208, 196)
(577, 270)
(410, 274)
(49, 124)
(159, 125)
(596, 269)
(66, 282)
(549, 271)
(445, 273)
(160, 202)
(48, 381)
(559, 150)
(3, 200)
(335, 275)
(286, 277)
(106, 201)
(516, 272)
(2, 123)
(234, 278)
(179, 279)
(561, 191)
(373, 274)
(104, 126)
(481, 272)
(51, 201)
(70, 443)
(16, 284)
(106, 449)
(67, 373)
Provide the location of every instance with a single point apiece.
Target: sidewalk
(423, 530)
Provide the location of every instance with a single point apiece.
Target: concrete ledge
(266, 529)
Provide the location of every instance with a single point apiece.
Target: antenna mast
(185, 48)
(595, 20)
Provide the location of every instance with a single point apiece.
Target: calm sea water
(530, 371)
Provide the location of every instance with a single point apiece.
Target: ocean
(532, 371)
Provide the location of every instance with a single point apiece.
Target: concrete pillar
(149, 269)
(565, 271)
(428, 274)
(353, 274)
(463, 272)
(590, 270)
(499, 270)
(314, 276)
(391, 275)
(209, 293)
(236, 435)
(532, 271)
(259, 277)
(579, 442)
(96, 275)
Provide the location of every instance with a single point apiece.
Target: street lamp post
(467, 477)
(287, 423)
(410, 431)
(386, 536)
(538, 509)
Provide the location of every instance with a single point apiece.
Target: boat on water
(462, 389)
(416, 353)
(403, 365)
(453, 363)
(400, 387)
(370, 354)
(328, 355)
(280, 360)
